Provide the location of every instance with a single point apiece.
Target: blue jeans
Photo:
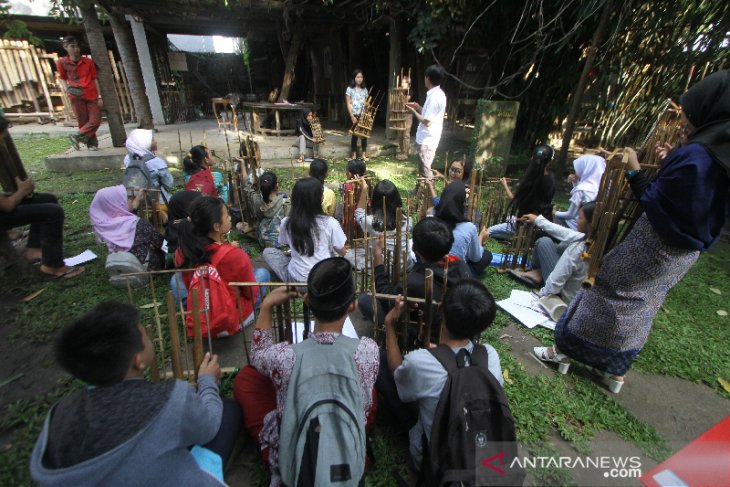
(179, 292)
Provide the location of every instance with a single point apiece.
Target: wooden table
(256, 109)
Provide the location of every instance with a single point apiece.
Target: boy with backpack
(462, 410)
(122, 430)
(314, 434)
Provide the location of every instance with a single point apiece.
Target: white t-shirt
(433, 110)
(329, 236)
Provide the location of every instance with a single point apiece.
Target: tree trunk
(100, 56)
(580, 89)
(128, 53)
(394, 65)
(290, 63)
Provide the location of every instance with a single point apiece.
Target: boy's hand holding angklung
(210, 366)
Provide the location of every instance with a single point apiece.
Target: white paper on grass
(347, 329)
(524, 307)
(84, 256)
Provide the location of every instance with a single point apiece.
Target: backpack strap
(446, 357)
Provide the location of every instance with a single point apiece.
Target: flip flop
(523, 279)
(72, 272)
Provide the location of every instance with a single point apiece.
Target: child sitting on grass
(468, 309)
(122, 430)
(262, 388)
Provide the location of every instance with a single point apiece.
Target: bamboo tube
(427, 309)
(197, 332)
(174, 337)
(158, 322)
(154, 370)
(241, 318)
(397, 246)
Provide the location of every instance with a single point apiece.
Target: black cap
(330, 284)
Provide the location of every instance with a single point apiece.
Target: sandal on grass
(548, 354)
(614, 383)
(523, 279)
(68, 274)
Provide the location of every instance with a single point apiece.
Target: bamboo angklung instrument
(363, 127)
(317, 133)
(397, 110)
(616, 207)
(516, 253)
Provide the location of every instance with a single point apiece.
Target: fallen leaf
(505, 375)
(721, 312)
(716, 291)
(725, 384)
(505, 336)
(150, 305)
(32, 295)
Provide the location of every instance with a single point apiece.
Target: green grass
(688, 341)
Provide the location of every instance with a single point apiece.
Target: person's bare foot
(31, 254)
(66, 272)
(533, 274)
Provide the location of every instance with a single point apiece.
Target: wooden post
(290, 62)
(97, 44)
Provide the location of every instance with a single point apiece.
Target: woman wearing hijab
(685, 208)
(586, 183)
(116, 225)
(468, 242)
(306, 137)
(141, 145)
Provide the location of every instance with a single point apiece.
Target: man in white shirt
(430, 118)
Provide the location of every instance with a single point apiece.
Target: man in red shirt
(79, 78)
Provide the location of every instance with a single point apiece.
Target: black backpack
(473, 439)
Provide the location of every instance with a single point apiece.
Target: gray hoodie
(96, 436)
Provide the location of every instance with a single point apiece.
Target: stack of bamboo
(27, 83)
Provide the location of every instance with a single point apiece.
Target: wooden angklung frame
(616, 207)
(397, 110)
(317, 133)
(363, 127)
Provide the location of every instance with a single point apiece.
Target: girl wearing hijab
(685, 208)
(306, 137)
(116, 225)
(586, 181)
(141, 145)
(468, 242)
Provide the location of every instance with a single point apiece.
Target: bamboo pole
(197, 332)
(174, 337)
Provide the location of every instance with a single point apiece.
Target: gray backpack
(322, 436)
(136, 175)
(118, 263)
